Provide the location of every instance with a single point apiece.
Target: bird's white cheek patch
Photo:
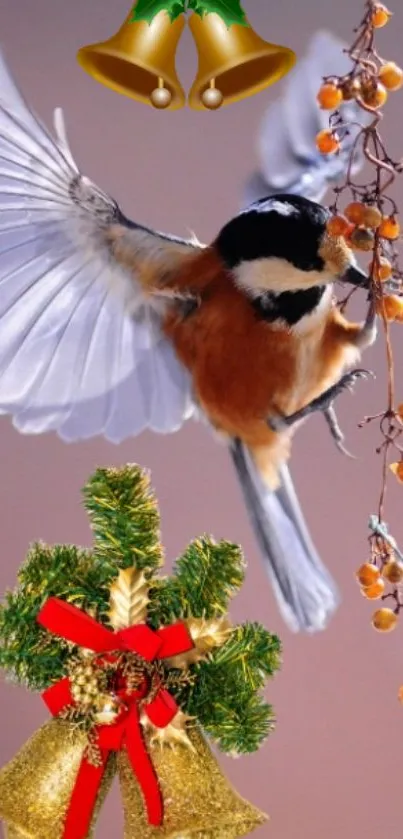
(316, 319)
(277, 275)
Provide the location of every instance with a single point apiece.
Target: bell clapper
(212, 98)
(161, 97)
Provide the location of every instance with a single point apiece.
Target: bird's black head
(280, 244)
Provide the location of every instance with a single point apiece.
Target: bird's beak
(356, 277)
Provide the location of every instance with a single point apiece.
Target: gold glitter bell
(36, 785)
(199, 802)
(234, 62)
(139, 61)
(10, 832)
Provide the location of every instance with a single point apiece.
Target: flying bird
(108, 327)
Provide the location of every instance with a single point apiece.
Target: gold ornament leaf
(172, 735)
(128, 599)
(206, 634)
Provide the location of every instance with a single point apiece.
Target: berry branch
(369, 224)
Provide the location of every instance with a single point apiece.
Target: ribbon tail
(143, 769)
(83, 799)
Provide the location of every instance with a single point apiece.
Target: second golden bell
(139, 62)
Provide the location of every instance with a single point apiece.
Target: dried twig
(369, 224)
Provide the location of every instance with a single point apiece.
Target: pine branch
(35, 657)
(124, 518)
(228, 709)
(204, 580)
(225, 697)
(255, 648)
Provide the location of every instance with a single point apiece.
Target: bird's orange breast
(240, 365)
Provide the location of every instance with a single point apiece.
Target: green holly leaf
(177, 9)
(230, 11)
(148, 9)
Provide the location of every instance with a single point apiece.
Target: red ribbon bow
(72, 624)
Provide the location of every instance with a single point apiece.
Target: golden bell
(199, 802)
(37, 784)
(11, 832)
(139, 61)
(233, 63)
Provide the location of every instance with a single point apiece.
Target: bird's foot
(324, 404)
(335, 430)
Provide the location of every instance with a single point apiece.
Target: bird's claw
(345, 451)
(347, 382)
(324, 404)
(336, 431)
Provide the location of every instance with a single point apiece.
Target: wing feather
(288, 159)
(82, 351)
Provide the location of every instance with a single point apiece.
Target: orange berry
(327, 141)
(400, 694)
(374, 95)
(372, 217)
(329, 96)
(380, 16)
(393, 571)
(355, 212)
(399, 410)
(347, 236)
(383, 270)
(384, 620)
(391, 75)
(375, 591)
(368, 574)
(338, 226)
(392, 305)
(389, 228)
(397, 469)
(362, 239)
(350, 89)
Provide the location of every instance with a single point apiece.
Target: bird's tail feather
(306, 593)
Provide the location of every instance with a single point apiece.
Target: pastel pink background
(334, 765)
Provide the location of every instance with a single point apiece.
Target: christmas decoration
(224, 52)
(133, 666)
(230, 11)
(139, 60)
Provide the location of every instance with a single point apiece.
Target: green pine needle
(204, 580)
(125, 519)
(225, 696)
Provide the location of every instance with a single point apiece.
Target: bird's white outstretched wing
(288, 159)
(81, 349)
